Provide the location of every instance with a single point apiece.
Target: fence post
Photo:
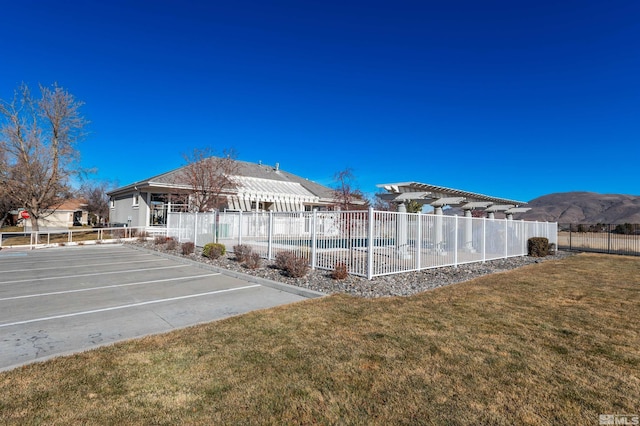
(570, 236)
(484, 239)
(419, 242)
(506, 238)
(214, 226)
(370, 244)
(525, 235)
(240, 228)
(270, 235)
(195, 229)
(455, 242)
(314, 239)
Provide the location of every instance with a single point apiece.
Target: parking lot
(63, 300)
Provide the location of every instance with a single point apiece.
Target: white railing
(370, 243)
(33, 239)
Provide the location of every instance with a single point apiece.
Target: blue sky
(507, 98)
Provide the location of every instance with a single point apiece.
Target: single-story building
(72, 212)
(258, 187)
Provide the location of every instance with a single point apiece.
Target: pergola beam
(403, 196)
(499, 208)
(447, 201)
(476, 205)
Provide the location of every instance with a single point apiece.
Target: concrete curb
(311, 294)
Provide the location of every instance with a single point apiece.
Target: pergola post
(468, 231)
(401, 231)
(438, 229)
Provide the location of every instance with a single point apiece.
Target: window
(158, 208)
(112, 203)
(136, 199)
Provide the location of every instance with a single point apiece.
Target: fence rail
(601, 238)
(80, 236)
(370, 243)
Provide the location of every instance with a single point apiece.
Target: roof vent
(277, 167)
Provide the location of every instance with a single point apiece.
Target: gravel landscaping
(390, 285)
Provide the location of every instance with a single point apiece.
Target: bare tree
(209, 177)
(379, 204)
(346, 195)
(95, 194)
(6, 204)
(39, 138)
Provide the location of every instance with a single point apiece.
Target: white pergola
(439, 196)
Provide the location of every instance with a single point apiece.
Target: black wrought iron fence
(600, 238)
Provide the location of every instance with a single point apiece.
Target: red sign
(24, 214)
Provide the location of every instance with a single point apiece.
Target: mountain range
(583, 207)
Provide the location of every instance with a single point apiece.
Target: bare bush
(159, 239)
(340, 271)
(297, 267)
(242, 252)
(253, 261)
(188, 248)
(283, 258)
(171, 244)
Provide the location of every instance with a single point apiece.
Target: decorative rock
(404, 284)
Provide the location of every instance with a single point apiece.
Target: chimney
(277, 167)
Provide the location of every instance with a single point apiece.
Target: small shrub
(188, 248)
(253, 261)
(283, 258)
(297, 267)
(159, 239)
(242, 252)
(171, 244)
(213, 250)
(538, 246)
(80, 243)
(142, 236)
(552, 249)
(340, 271)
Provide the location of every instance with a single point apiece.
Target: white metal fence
(370, 243)
(79, 236)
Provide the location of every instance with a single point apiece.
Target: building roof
(73, 204)
(171, 179)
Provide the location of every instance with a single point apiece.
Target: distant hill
(584, 207)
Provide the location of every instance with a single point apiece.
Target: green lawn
(548, 344)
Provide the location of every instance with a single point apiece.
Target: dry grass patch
(552, 343)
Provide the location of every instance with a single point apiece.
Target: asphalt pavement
(58, 301)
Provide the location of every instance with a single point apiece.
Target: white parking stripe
(91, 275)
(132, 305)
(84, 265)
(58, 259)
(28, 296)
